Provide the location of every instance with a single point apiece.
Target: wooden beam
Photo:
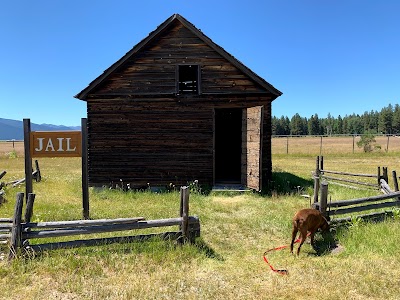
(364, 207)
(363, 200)
(82, 223)
(102, 229)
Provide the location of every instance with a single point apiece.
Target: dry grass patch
(225, 263)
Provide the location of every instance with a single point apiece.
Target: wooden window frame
(177, 72)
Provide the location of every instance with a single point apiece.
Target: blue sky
(335, 57)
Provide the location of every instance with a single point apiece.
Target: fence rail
(19, 231)
(351, 206)
(370, 180)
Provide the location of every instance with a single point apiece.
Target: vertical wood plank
(85, 179)
(28, 159)
(16, 235)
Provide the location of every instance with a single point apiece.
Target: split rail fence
(355, 207)
(17, 231)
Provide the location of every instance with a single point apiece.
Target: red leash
(279, 271)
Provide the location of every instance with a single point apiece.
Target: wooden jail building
(177, 108)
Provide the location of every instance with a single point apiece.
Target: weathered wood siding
(158, 142)
(141, 132)
(142, 142)
(153, 70)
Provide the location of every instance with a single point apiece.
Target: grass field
(226, 262)
(330, 145)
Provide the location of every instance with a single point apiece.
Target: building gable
(151, 68)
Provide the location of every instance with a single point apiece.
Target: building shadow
(284, 183)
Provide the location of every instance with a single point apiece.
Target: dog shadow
(325, 243)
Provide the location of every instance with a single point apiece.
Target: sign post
(28, 158)
(85, 179)
(57, 144)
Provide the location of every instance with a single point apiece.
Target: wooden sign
(56, 144)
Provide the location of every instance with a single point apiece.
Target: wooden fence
(19, 231)
(355, 207)
(36, 174)
(2, 184)
(347, 179)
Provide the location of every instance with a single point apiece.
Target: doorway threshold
(230, 187)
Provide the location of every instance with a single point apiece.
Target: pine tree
(314, 125)
(396, 119)
(385, 120)
(298, 125)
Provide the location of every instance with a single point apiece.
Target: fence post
(38, 176)
(29, 208)
(385, 174)
(379, 176)
(324, 199)
(316, 180)
(287, 145)
(184, 212)
(321, 163)
(85, 180)
(387, 144)
(395, 182)
(320, 146)
(16, 234)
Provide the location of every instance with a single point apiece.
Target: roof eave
(83, 94)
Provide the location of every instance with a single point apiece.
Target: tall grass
(225, 263)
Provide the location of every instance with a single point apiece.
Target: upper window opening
(188, 79)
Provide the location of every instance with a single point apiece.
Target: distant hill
(12, 129)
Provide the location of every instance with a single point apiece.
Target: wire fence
(335, 144)
(12, 147)
(287, 144)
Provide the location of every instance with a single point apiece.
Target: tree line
(387, 121)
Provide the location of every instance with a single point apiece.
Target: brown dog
(305, 220)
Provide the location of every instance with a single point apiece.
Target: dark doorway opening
(228, 145)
